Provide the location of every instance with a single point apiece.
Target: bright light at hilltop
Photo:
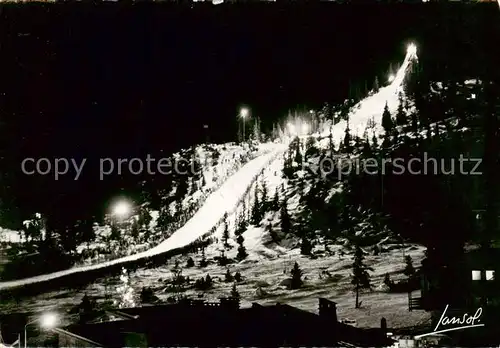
(412, 49)
(122, 209)
(48, 320)
(291, 128)
(390, 78)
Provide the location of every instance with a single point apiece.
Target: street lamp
(46, 321)
(121, 209)
(244, 112)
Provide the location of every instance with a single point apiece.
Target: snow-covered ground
(9, 236)
(264, 276)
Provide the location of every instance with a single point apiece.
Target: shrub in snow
(190, 263)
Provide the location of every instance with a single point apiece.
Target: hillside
(296, 210)
(201, 171)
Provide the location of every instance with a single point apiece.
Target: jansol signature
(466, 321)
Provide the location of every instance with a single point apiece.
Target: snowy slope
(223, 200)
(372, 106)
(215, 172)
(368, 109)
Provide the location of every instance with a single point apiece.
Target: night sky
(118, 80)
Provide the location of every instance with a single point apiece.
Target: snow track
(225, 199)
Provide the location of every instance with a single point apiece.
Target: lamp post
(243, 115)
(47, 321)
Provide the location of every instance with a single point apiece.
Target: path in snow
(223, 200)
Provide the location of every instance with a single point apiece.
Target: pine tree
(298, 155)
(387, 280)
(225, 233)
(374, 141)
(360, 275)
(256, 209)
(347, 139)
(234, 292)
(275, 205)
(264, 198)
(203, 261)
(208, 281)
(400, 115)
(387, 123)
(286, 223)
(115, 232)
(376, 85)
(414, 123)
(228, 277)
(134, 230)
(305, 246)
(296, 273)
(242, 252)
(409, 270)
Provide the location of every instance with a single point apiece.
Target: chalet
(474, 285)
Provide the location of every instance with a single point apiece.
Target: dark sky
(118, 80)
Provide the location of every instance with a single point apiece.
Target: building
(198, 323)
(463, 290)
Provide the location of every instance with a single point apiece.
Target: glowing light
(244, 112)
(291, 128)
(48, 320)
(122, 209)
(305, 128)
(412, 49)
(391, 78)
